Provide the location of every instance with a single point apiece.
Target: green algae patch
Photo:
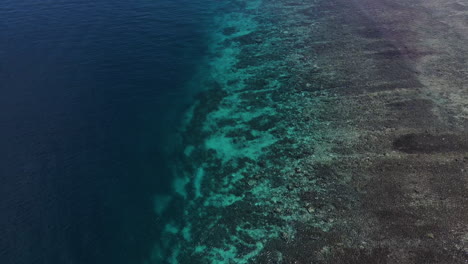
(170, 228)
(179, 185)
(197, 182)
(220, 200)
(161, 202)
(186, 233)
(228, 149)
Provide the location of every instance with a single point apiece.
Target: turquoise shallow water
(91, 96)
(247, 180)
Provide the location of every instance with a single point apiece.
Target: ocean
(221, 132)
(91, 97)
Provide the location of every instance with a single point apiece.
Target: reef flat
(329, 132)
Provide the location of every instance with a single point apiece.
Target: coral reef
(322, 138)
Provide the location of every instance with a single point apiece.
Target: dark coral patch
(427, 143)
(229, 31)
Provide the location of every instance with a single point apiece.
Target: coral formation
(317, 141)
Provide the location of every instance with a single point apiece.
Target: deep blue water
(90, 95)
